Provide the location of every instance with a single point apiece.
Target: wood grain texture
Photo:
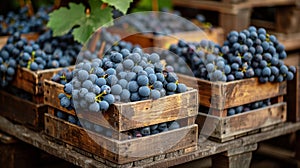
(32, 81)
(127, 116)
(51, 91)
(224, 129)
(121, 151)
(22, 111)
(224, 95)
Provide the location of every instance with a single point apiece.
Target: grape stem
(98, 97)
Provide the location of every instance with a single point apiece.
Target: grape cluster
(248, 107)
(246, 54)
(67, 117)
(260, 51)
(154, 129)
(22, 22)
(63, 77)
(120, 76)
(8, 60)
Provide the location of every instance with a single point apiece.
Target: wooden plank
(224, 95)
(126, 116)
(51, 91)
(239, 21)
(222, 129)
(22, 111)
(236, 161)
(121, 151)
(293, 98)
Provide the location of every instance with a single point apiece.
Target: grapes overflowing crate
(220, 97)
(126, 116)
(22, 111)
(28, 36)
(32, 81)
(122, 152)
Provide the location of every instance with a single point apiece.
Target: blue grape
(133, 86)
(144, 91)
(104, 105)
(231, 112)
(289, 76)
(171, 87)
(116, 89)
(142, 80)
(266, 72)
(125, 95)
(65, 102)
(109, 98)
(94, 107)
(72, 119)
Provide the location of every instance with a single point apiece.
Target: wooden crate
(127, 116)
(237, 16)
(32, 81)
(223, 95)
(227, 128)
(121, 152)
(22, 111)
(150, 40)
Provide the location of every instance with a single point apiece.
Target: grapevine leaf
(121, 5)
(63, 19)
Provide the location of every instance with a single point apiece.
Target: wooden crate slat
(120, 151)
(51, 91)
(22, 111)
(32, 81)
(228, 127)
(223, 95)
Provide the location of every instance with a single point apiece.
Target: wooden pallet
(223, 95)
(237, 16)
(22, 111)
(32, 81)
(127, 116)
(150, 40)
(121, 152)
(223, 129)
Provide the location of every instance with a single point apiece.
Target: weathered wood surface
(224, 95)
(127, 116)
(205, 147)
(22, 111)
(226, 128)
(32, 81)
(121, 152)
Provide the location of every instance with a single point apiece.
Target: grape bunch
(22, 22)
(260, 52)
(248, 107)
(67, 117)
(246, 54)
(119, 77)
(63, 77)
(8, 60)
(154, 129)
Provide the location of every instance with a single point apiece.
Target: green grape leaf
(121, 5)
(86, 24)
(63, 19)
